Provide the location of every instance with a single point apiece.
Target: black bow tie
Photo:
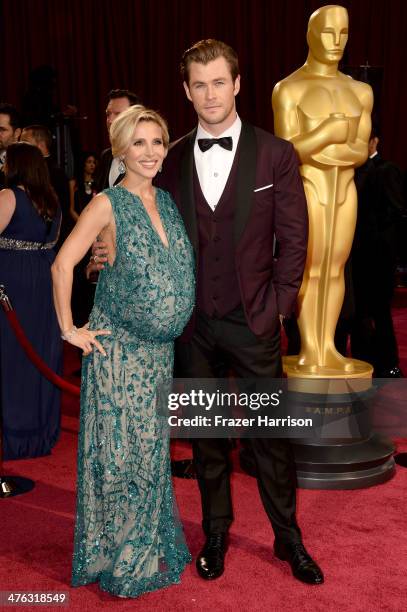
(206, 143)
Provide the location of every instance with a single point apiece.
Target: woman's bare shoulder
(7, 196)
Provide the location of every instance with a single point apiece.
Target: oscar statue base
(337, 466)
(304, 378)
(344, 465)
(356, 459)
(347, 463)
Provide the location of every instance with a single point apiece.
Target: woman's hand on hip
(85, 339)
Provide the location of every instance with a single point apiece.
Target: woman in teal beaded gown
(127, 534)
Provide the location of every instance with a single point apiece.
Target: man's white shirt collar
(214, 165)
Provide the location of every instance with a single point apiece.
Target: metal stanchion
(10, 486)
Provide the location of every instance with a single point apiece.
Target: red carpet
(358, 537)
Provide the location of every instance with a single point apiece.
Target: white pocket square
(262, 188)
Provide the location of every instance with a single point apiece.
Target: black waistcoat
(217, 284)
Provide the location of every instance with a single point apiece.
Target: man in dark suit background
(10, 130)
(237, 187)
(41, 137)
(381, 207)
(108, 171)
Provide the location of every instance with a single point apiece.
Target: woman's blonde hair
(122, 128)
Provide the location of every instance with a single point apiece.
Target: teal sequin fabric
(128, 536)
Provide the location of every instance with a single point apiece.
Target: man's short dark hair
(206, 51)
(124, 93)
(40, 133)
(12, 112)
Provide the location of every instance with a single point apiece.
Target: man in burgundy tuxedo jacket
(239, 191)
(265, 196)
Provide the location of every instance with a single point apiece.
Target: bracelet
(69, 333)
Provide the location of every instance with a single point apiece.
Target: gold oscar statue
(326, 115)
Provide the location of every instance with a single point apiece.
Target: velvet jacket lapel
(188, 209)
(246, 178)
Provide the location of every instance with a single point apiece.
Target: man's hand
(98, 258)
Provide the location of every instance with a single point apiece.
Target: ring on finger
(95, 258)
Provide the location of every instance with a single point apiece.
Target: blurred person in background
(84, 184)
(41, 137)
(30, 218)
(108, 173)
(381, 206)
(84, 190)
(10, 130)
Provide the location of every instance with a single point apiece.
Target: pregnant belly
(151, 317)
(160, 319)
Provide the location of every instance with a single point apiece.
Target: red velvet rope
(31, 353)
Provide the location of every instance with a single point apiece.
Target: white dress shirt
(114, 171)
(214, 165)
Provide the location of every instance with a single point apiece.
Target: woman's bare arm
(96, 216)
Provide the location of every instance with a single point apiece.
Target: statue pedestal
(345, 453)
(360, 460)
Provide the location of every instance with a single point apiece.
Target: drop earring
(122, 167)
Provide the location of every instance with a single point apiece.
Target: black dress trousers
(217, 346)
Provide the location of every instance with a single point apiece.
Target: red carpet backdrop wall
(96, 45)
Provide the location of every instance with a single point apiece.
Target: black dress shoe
(210, 561)
(302, 565)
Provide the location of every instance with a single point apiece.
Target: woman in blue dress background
(30, 218)
(127, 535)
